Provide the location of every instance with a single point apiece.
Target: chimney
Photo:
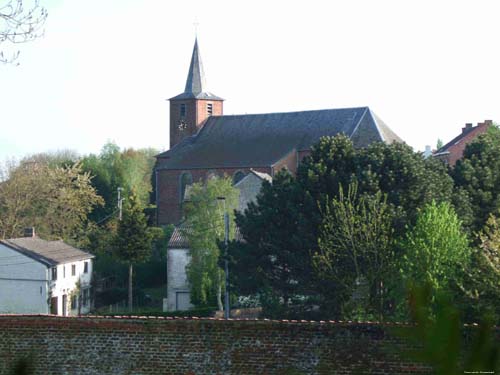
(29, 232)
(468, 126)
(427, 152)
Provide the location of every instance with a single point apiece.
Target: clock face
(182, 125)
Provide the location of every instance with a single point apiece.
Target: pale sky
(105, 68)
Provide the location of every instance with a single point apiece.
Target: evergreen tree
(281, 229)
(478, 175)
(133, 241)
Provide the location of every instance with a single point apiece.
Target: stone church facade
(205, 142)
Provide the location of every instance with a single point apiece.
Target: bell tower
(189, 110)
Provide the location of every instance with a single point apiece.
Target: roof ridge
(287, 112)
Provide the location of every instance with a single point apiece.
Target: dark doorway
(53, 305)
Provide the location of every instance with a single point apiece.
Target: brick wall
(469, 133)
(196, 114)
(94, 345)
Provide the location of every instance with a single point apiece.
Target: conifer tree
(133, 240)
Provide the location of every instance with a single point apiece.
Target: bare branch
(18, 25)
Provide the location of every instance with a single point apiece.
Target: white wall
(66, 284)
(249, 188)
(23, 284)
(26, 285)
(177, 283)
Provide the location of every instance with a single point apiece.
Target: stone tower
(189, 110)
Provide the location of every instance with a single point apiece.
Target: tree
(281, 230)
(478, 175)
(481, 285)
(133, 239)
(56, 200)
(18, 25)
(439, 144)
(435, 248)
(114, 168)
(356, 247)
(204, 228)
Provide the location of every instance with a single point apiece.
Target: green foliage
(435, 248)
(478, 173)
(281, 230)
(356, 246)
(439, 143)
(113, 168)
(133, 241)
(438, 336)
(23, 366)
(197, 312)
(55, 200)
(481, 285)
(204, 228)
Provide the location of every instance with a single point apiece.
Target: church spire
(195, 83)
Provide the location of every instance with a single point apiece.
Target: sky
(105, 68)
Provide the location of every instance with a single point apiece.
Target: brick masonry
(113, 345)
(455, 151)
(168, 185)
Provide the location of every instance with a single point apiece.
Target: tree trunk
(219, 293)
(130, 273)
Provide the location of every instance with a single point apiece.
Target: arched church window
(237, 177)
(183, 110)
(211, 174)
(185, 180)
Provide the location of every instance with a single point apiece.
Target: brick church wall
(169, 205)
(96, 345)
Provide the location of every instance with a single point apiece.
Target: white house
(178, 247)
(42, 277)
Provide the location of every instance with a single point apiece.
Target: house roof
(195, 82)
(179, 238)
(261, 175)
(263, 139)
(468, 129)
(49, 253)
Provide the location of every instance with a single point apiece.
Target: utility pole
(226, 264)
(120, 203)
(226, 260)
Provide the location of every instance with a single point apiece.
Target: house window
(74, 299)
(209, 109)
(185, 180)
(86, 267)
(73, 269)
(54, 273)
(183, 110)
(64, 272)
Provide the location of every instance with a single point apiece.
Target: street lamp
(226, 261)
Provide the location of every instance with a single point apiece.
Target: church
(204, 142)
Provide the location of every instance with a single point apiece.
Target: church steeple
(189, 110)
(195, 83)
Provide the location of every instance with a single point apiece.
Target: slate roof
(49, 253)
(263, 139)
(195, 82)
(179, 240)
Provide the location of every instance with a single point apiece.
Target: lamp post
(226, 261)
